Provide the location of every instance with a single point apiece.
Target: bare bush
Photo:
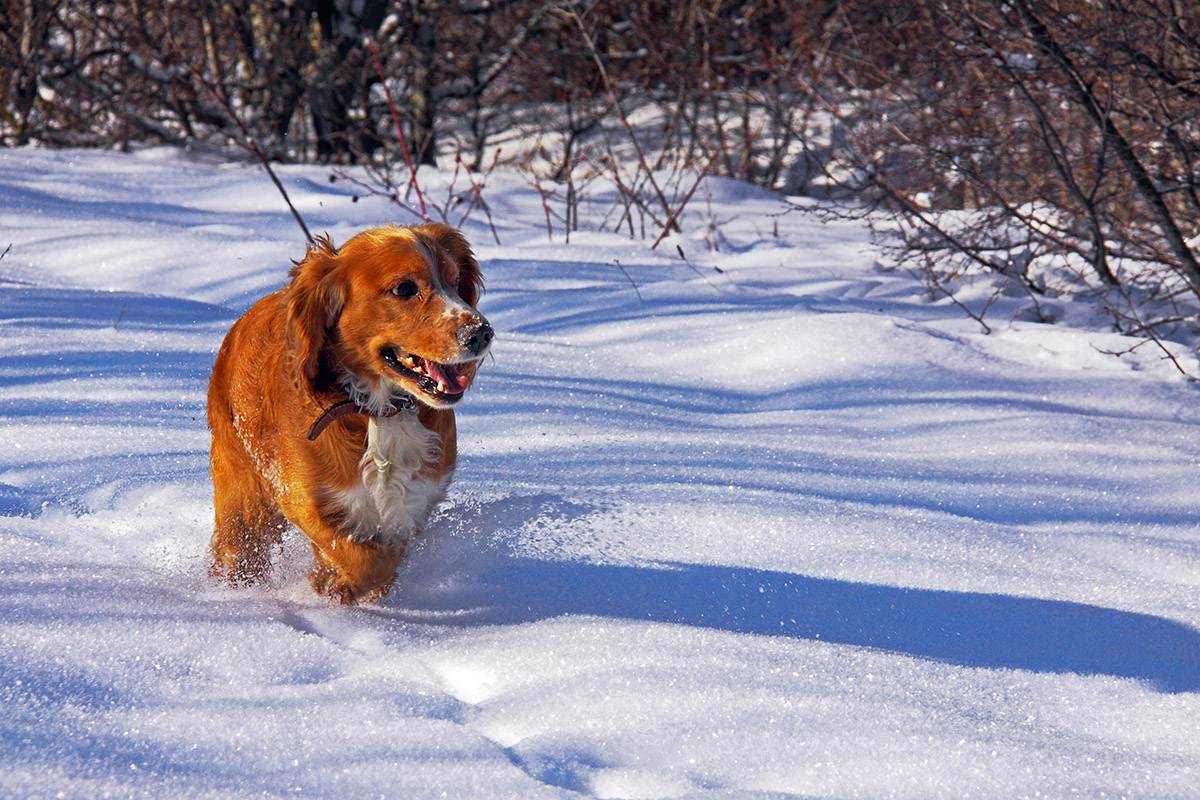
(1070, 128)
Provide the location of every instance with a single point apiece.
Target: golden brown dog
(330, 406)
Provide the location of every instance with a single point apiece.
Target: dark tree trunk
(423, 53)
(336, 83)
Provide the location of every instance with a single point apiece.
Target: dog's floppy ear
(314, 301)
(470, 282)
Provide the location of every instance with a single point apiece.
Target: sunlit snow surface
(789, 529)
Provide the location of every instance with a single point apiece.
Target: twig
(630, 197)
(1146, 330)
(1142, 327)
(700, 272)
(278, 185)
(1167, 354)
(630, 279)
(637, 147)
(477, 188)
(387, 93)
(374, 190)
(252, 145)
(537, 182)
(674, 218)
(931, 279)
(473, 197)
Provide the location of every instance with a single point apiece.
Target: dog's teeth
(441, 386)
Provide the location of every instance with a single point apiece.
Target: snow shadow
(49, 308)
(123, 372)
(971, 629)
(959, 627)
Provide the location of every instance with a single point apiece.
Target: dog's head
(391, 308)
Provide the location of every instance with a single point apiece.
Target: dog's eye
(404, 289)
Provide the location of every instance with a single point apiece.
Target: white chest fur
(393, 499)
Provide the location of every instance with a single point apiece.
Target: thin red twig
(674, 218)
(251, 144)
(412, 171)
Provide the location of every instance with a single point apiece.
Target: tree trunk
(423, 53)
(334, 86)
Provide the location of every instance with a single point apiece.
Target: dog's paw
(333, 585)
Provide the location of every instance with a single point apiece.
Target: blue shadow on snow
(970, 629)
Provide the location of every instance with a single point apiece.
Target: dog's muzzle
(476, 337)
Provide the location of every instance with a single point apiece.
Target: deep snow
(789, 529)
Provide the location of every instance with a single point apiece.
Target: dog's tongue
(446, 374)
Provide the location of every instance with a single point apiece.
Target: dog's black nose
(475, 336)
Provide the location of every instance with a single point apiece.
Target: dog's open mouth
(441, 381)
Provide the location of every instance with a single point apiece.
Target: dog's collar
(348, 407)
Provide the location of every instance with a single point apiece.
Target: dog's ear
(314, 301)
(470, 282)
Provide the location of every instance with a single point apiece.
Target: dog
(331, 407)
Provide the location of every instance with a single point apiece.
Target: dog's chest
(393, 498)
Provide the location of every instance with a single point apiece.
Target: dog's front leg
(347, 570)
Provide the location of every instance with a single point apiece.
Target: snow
(787, 529)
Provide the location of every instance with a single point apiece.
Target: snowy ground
(785, 530)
